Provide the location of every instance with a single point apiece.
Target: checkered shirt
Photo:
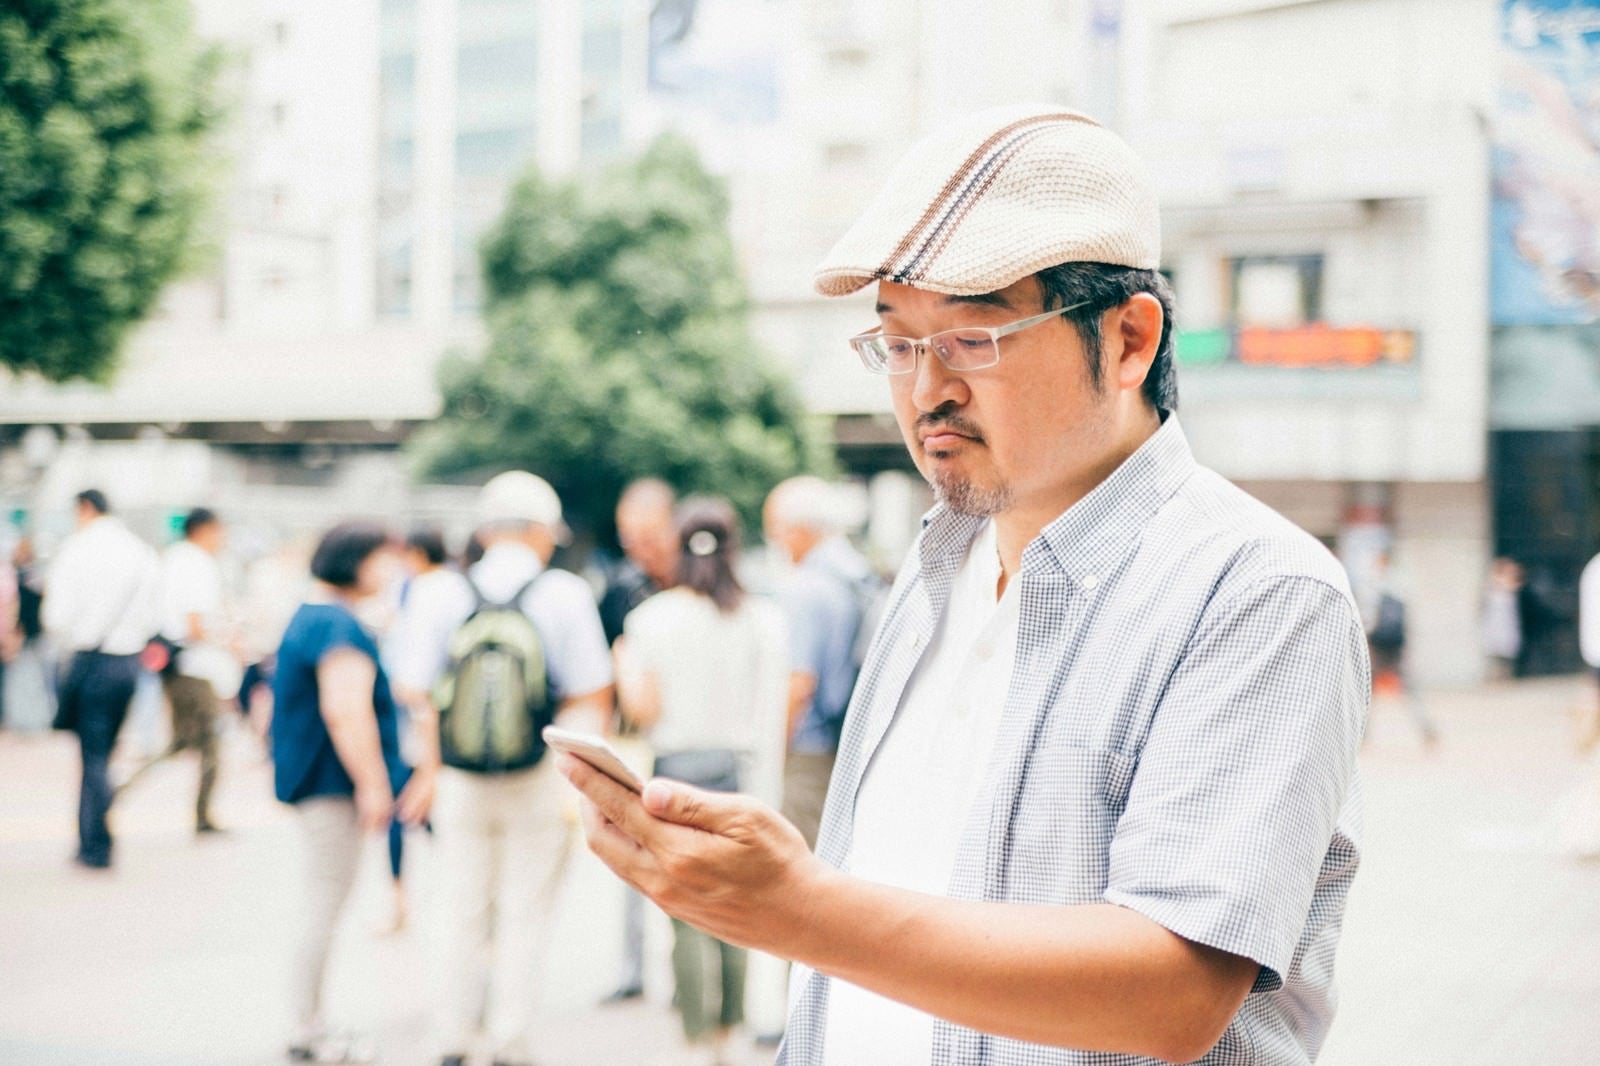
(1179, 738)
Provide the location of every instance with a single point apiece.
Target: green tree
(105, 106)
(619, 347)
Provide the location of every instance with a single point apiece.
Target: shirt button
(984, 650)
(1090, 582)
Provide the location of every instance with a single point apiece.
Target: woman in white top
(703, 667)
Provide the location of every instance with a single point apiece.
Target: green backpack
(495, 697)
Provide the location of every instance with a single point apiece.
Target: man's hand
(722, 862)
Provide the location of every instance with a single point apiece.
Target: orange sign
(1324, 346)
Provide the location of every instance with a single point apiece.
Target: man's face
(649, 538)
(1016, 435)
(211, 537)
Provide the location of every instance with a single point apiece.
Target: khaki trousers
(501, 846)
(332, 852)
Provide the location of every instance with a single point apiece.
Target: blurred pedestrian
(336, 750)
(10, 611)
(1501, 619)
(648, 534)
(1589, 636)
(100, 606)
(503, 649)
(704, 668)
(1385, 623)
(199, 665)
(824, 598)
(30, 675)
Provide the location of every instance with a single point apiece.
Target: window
(1274, 291)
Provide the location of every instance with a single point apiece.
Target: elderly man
(823, 598)
(1095, 794)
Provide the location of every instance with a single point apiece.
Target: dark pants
(98, 689)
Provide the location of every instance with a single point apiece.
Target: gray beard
(964, 497)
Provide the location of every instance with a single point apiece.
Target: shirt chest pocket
(1065, 817)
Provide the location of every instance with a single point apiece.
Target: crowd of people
(408, 690)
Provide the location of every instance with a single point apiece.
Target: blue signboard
(1545, 268)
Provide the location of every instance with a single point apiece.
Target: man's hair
(343, 549)
(808, 502)
(96, 500)
(428, 540)
(1100, 287)
(197, 520)
(647, 492)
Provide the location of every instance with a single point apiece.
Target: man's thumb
(673, 801)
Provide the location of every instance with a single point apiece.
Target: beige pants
(501, 845)
(332, 853)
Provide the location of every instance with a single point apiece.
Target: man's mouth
(947, 433)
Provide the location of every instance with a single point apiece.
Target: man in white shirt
(203, 669)
(100, 607)
(501, 839)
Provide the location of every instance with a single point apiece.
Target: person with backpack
(505, 649)
(826, 596)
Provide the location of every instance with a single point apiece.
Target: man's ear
(1137, 325)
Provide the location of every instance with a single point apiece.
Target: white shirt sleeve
(1589, 613)
(578, 656)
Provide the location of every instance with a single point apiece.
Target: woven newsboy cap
(999, 195)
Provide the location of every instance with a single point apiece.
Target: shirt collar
(1095, 533)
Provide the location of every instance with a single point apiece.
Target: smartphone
(596, 752)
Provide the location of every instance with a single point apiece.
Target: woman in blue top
(336, 753)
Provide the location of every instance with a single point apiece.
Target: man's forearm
(1094, 977)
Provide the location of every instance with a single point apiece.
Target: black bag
(713, 769)
(1389, 631)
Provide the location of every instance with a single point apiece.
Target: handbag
(714, 769)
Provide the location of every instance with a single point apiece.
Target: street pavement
(1468, 940)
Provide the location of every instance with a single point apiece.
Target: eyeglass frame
(925, 343)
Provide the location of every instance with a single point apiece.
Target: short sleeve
(579, 657)
(1239, 788)
(807, 628)
(342, 630)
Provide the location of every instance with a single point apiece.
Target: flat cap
(997, 196)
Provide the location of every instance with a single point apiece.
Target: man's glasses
(969, 348)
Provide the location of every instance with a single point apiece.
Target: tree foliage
(105, 106)
(619, 347)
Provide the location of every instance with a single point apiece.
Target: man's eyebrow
(982, 299)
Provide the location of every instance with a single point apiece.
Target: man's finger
(673, 801)
(616, 804)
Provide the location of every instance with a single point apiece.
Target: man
(501, 839)
(1094, 799)
(649, 539)
(822, 599)
(194, 627)
(100, 609)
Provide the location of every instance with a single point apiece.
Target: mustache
(946, 418)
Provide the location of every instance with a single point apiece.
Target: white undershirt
(920, 787)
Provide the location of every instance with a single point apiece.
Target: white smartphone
(596, 752)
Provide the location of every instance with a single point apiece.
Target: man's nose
(933, 384)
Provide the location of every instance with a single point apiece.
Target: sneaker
(622, 995)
